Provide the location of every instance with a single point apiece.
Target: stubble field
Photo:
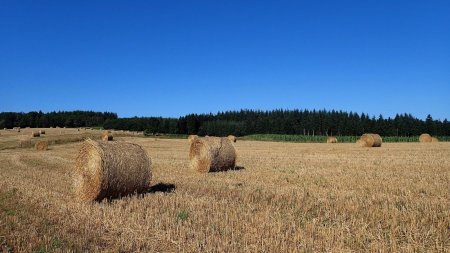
(285, 197)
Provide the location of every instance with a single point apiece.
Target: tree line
(240, 123)
(292, 122)
(54, 119)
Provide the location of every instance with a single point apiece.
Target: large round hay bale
(107, 136)
(370, 140)
(42, 131)
(110, 170)
(192, 137)
(232, 138)
(41, 145)
(425, 138)
(211, 154)
(35, 134)
(332, 139)
(434, 139)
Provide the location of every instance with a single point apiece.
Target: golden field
(285, 197)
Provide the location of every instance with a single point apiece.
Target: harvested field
(285, 197)
(10, 139)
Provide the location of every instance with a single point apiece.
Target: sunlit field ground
(285, 197)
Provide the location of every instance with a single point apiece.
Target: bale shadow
(162, 187)
(238, 168)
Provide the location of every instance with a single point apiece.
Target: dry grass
(11, 139)
(289, 198)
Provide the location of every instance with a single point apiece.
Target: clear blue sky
(170, 58)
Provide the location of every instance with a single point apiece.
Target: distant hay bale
(107, 136)
(41, 145)
(25, 143)
(35, 134)
(211, 154)
(425, 138)
(110, 170)
(232, 138)
(434, 139)
(370, 140)
(192, 138)
(332, 139)
(42, 131)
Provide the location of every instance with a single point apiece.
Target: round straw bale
(332, 139)
(41, 145)
(192, 138)
(25, 143)
(211, 154)
(42, 131)
(35, 134)
(232, 138)
(107, 136)
(110, 170)
(370, 140)
(434, 139)
(425, 138)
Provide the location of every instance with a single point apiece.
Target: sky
(170, 58)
